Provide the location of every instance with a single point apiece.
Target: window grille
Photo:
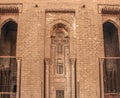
(9, 77)
(60, 68)
(59, 93)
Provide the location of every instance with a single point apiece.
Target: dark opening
(8, 39)
(14, 88)
(111, 48)
(59, 93)
(111, 42)
(8, 66)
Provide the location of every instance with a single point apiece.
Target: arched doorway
(111, 66)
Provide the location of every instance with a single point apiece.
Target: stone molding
(60, 10)
(10, 7)
(109, 9)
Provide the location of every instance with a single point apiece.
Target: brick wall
(88, 38)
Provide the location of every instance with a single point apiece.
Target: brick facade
(86, 40)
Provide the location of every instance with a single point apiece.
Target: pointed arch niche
(59, 55)
(59, 67)
(60, 49)
(111, 66)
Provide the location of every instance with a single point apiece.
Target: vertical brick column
(18, 77)
(47, 63)
(72, 62)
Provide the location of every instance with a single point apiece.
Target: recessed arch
(60, 29)
(59, 53)
(51, 25)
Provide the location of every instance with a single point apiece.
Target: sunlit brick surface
(86, 41)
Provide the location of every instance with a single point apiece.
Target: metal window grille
(59, 93)
(60, 68)
(9, 77)
(110, 77)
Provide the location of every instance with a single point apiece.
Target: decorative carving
(110, 10)
(59, 39)
(53, 17)
(10, 8)
(59, 27)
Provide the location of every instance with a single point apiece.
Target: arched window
(111, 42)
(111, 66)
(8, 39)
(8, 66)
